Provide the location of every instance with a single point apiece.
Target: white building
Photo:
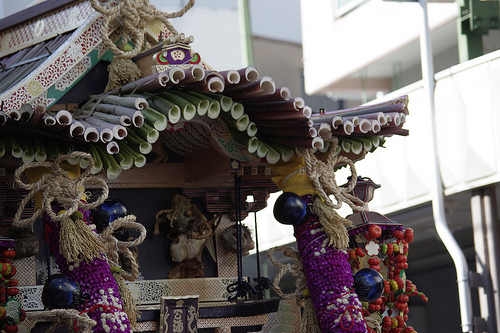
(357, 50)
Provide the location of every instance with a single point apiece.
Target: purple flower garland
(103, 302)
(329, 279)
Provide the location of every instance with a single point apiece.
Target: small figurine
(190, 231)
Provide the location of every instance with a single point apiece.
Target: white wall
(467, 108)
(338, 47)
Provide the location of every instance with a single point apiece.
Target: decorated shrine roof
(53, 102)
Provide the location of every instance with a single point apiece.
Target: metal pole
(245, 32)
(440, 223)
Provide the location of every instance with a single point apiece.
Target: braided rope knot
(295, 269)
(322, 174)
(57, 186)
(114, 246)
(134, 17)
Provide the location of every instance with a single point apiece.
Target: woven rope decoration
(322, 174)
(73, 319)
(133, 16)
(57, 186)
(309, 320)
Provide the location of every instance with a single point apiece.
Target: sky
(217, 23)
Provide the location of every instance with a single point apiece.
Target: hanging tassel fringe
(373, 323)
(129, 306)
(122, 71)
(309, 320)
(333, 223)
(78, 241)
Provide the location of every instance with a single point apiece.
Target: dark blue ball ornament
(107, 212)
(60, 292)
(114, 208)
(368, 284)
(289, 208)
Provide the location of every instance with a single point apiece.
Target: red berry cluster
(391, 260)
(8, 289)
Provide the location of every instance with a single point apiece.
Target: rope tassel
(333, 224)
(78, 241)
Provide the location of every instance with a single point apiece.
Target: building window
(343, 7)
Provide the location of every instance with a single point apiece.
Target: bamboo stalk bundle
(225, 102)
(28, 151)
(279, 115)
(251, 128)
(150, 83)
(98, 166)
(263, 86)
(136, 103)
(176, 74)
(105, 134)
(231, 76)
(275, 123)
(119, 131)
(248, 74)
(325, 131)
(250, 142)
(292, 141)
(280, 94)
(15, 147)
(3, 117)
(3, 148)
(171, 110)
(188, 110)
(112, 147)
(63, 117)
(37, 115)
(286, 153)
(137, 143)
(305, 132)
(147, 132)
(157, 119)
(202, 104)
(113, 118)
(296, 104)
(240, 123)
(194, 73)
(139, 159)
(112, 168)
(22, 115)
(39, 148)
(122, 111)
(124, 160)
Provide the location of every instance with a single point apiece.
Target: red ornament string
(106, 308)
(348, 308)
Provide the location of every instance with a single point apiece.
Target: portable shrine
(128, 163)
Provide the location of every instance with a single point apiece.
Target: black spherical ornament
(60, 292)
(289, 208)
(115, 209)
(107, 212)
(368, 284)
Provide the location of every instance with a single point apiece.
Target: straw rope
(309, 321)
(72, 319)
(57, 186)
(322, 173)
(113, 246)
(295, 269)
(134, 17)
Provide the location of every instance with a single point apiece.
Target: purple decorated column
(103, 303)
(329, 280)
